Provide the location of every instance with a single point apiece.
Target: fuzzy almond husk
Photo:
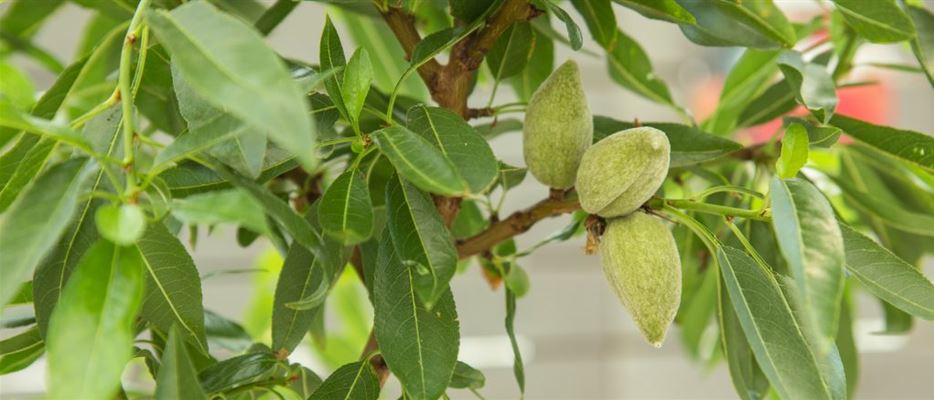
(558, 128)
(621, 172)
(641, 263)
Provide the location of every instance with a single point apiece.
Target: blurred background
(577, 340)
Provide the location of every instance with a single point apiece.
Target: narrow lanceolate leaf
(422, 242)
(419, 161)
(812, 246)
(574, 31)
(223, 206)
(756, 24)
(467, 377)
(776, 339)
(51, 275)
(419, 345)
(923, 44)
(748, 76)
(539, 66)
(173, 288)
(177, 378)
(600, 19)
(689, 145)
(227, 63)
(358, 75)
(511, 52)
(895, 216)
(331, 56)
(295, 225)
(518, 367)
(813, 86)
(665, 10)
(346, 211)
(354, 381)
(303, 274)
(238, 371)
(794, 151)
(460, 143)
(90, 337)
(911, 146)
(888, 277)
(879, 21)
(18, 352)
(747, 377)
(214, 131)
(35, 221)
(630, 67)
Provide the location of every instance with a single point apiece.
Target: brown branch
(518, 222)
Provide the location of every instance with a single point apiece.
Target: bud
(621, 172)
(558, 128)
(641, 262)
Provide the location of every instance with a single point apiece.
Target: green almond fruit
(621, 172)
(558, 128)
(641, 262)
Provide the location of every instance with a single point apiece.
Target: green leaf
(223, 206)
(213, 131)
(355, 381)
(173, 288)
(20, 351)
(331, 56)
(303, 274)
(517, 280)
(374, 35)
(224, 333)
(419, 345)
(813, 86)
(511, 51)
(600, 19)
(879, 21)
(419, 161)
(664, 10)
(846, 343)
(756, 24)
(469, 10)
(16, 87)
(122, 224)
(346, 211)
(23, 18)
(773, 334)
(274, 15)
(238, 371)
(538, 67)
(51, 275)
(812, 246)
(90, 337)
(177, 378)
(35, 221)
(886, 276)
(228, 64)
(471, 155)
(358, 75)
(421, 240)
(923, 44)
(911, 146)
(747, 77)
(279, 210)
(466, 377)
(630, 67)
(794, 151)
(11, 117)
(689, 145)
(574, 31)
(818, 135)
(748, 379)
(189, 178)
(895, 216)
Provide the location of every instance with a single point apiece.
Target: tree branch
(518, 222)
(403, 26)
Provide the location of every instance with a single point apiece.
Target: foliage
(177, 113)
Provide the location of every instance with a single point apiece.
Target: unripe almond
(558, 128)
(621, 172)
(641, 262)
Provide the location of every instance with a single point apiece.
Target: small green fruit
(621, 172)
(558, 128)
(641, 262)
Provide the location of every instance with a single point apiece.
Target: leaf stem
(126, 93)
(690, 204)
